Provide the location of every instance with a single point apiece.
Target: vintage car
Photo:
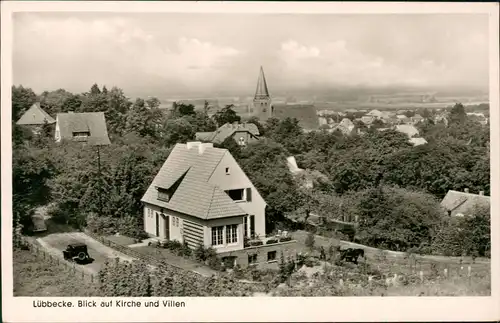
(76, 252)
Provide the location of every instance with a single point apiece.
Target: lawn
(35, 276)
(175, 260)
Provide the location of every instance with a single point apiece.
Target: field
(35, 276)
(441, 276)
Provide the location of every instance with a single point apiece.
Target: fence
(70, 267)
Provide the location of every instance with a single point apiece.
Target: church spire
(262, 92)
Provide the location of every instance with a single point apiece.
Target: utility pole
(99, 179)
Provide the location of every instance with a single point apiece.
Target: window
(252, 226)
(236, 195)
(252, 259)
(245, 225)
(249, 195)
(163, 195)
(227, 171)
(241, 141)
(81, 136)
(232, 233)
(271, 256)
(217, 236)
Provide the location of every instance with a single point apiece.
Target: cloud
(111, 51)
(207, 53)
(336, 63)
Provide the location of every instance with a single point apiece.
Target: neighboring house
(368, 120)
(463, 203)
(442, 117)
(407, 129)
(202, 196)
(322, 121)
(418, 141)
(402, 119)
(346, 126)
(417, 118)
(88, 127)
(376, 114)
(242, 133)
(35, 117)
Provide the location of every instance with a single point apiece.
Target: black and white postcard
(249, 161)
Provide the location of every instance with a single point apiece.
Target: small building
(407, 129)
(88, 127)
(376, 114)
(242, 133)
(346, 126)
(34, 118)
(416, 119)
(464, 203)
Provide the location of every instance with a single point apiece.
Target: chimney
(466, 190)
(193, 144)
(204, 146)
(481, 193)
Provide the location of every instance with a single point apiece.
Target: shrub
(97, 224)
(255, 243)
(284, 239)
(173, 245)
(309, 262)
(272, 241)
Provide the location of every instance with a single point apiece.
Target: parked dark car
(77, 252)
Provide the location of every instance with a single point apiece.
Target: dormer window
(81, 135)
(163, 195)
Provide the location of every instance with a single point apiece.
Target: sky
(173, 53)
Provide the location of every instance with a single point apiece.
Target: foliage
(468, 236)
(226, 115)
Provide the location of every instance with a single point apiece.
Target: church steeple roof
(262, 92)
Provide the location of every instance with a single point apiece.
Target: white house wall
(237, 179)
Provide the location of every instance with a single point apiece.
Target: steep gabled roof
(465, 202)
(93, 122)
(194, 195)
(262, 91)
(227, 130)
(35, 115)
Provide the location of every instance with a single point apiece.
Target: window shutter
(249, 194)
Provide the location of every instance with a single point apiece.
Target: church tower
(262, 100)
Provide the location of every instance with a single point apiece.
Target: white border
(255, 309)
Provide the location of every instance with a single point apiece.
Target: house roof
(346, 126)
(418, 141)
(35, 115)
(226, 131)
(464, 202)
(375, 113)
(93, 122)
(194, 195)
(409, 130)
(305, 113)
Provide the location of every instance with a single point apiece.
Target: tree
(226, 115)
(94, 90)
(22, 100)
(178, 131)
(153, 103)
(457, 113)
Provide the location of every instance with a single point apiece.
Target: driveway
(55, 244)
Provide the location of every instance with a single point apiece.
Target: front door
(157, 224)
(167, 227)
